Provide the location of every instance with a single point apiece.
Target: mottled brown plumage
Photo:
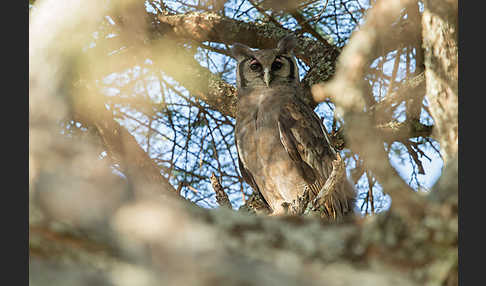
(283, 148)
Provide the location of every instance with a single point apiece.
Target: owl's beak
(266, 77)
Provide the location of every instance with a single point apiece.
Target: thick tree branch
(203, 27)
(319, 55)
(242, 249)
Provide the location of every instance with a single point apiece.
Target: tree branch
(221, 196)
(208, 26)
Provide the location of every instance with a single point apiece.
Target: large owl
(283, 148)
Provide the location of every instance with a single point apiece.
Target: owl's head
(266, 68)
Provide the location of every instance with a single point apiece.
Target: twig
(303, 23)
(414, 156)
(316, 17)
(262, 12)
(179, 187)
(221, 196)
(369, 196)
(191, 188)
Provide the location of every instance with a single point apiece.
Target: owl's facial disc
(257, 67)
(267, 69)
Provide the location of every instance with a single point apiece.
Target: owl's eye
(255, 66)
(276, 65)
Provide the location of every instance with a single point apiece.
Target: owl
(283, 148)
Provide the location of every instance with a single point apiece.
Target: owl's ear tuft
(287, 44)
(240, 51)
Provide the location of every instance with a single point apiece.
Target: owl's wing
(304, 137)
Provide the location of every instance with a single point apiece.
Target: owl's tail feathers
(337, 196)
